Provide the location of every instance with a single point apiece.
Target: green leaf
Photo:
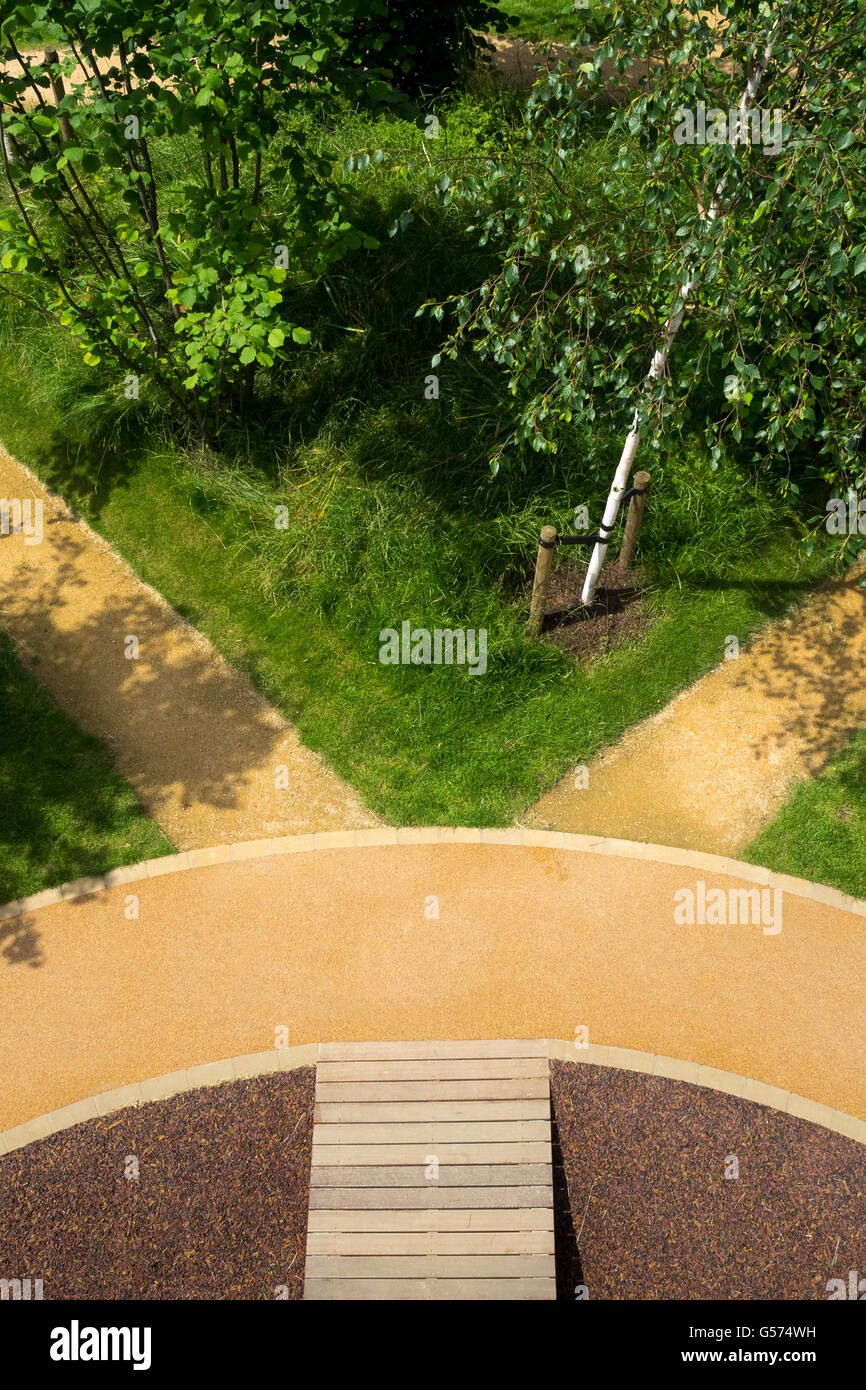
(248, 355)
(301, 335)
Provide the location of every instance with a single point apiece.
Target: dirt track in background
(713, 767)
(202, 748)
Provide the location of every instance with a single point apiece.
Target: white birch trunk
(660, 356)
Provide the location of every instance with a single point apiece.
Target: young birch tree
(721, 241)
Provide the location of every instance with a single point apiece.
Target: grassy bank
(65, 811)
(537, 20)
(390, 513)
(821, 832)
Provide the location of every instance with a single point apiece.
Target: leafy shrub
(186, 295)
(758, 248)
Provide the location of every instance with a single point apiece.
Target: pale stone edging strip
(158, 1088)
(286, 1059)
(515, 836)
(744, 1087)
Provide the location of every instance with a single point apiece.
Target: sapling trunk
(660, 356)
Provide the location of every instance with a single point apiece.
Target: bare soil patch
(617, 613)
(521, 63)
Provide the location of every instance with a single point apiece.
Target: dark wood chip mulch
(643, 1209)
(649, 1213)
(218, 1210)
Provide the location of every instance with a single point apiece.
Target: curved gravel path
(210, 759)
(713, 767)
(427, 934)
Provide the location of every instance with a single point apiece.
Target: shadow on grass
(66, 811)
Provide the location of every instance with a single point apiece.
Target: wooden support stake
(59, 91)
(633, 522)
(543, 564)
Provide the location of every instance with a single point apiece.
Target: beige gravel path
(286, 944)
(715, 765)
(203, 749)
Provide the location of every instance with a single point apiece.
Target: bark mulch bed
(218, 1211)
(618, 611)
(643, 1209)
(649, 1214)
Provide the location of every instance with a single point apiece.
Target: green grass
(423, 745)
(393, 515)
(546, 19)
(821, 832)
(66, 812)
(377, 536)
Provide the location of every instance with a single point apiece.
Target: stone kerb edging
(445, 835)
(173, 1083)
(287, 1059)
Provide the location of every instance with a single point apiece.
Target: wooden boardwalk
(431, 1174)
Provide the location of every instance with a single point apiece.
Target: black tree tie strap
(597, 537)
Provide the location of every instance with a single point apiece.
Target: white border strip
(251, 1064)
(442, 835)
(744, 1087)
(173, 1083)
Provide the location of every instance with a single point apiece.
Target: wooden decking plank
(430, 1266)
(407, 1111)
(405, 1290)
(443, 1219)
(443, 1069)
(362, 1155)
(431, 1171)
(435, 1132)
(490, 1088)
(422, 1198)
(429, 1243)
(412, 1175)
(390, 1051)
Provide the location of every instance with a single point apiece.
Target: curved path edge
(157, 1088)
(386, 835)
(216, 953)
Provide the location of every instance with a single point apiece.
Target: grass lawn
(821, 833)
(546, 19)
(392, 514)
(65, 811)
